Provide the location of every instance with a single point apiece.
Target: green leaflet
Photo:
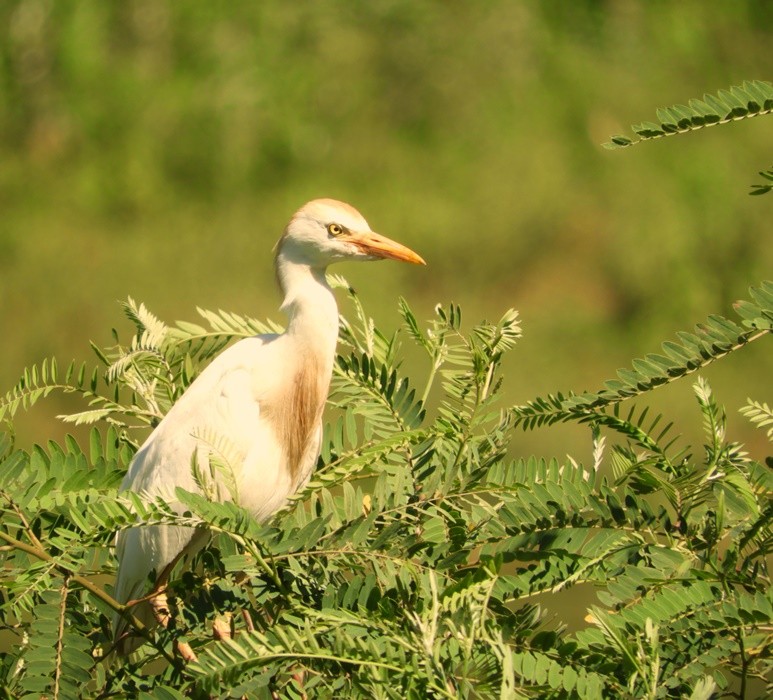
(714, 339)
(751, 99)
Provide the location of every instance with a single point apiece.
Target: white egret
(264, 396)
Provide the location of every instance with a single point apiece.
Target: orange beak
(382, 247)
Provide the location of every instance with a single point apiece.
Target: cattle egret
(263, 396)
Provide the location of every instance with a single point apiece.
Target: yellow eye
(335, 229)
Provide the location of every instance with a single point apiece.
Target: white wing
(225, 400)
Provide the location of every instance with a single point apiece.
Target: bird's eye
(335, 229)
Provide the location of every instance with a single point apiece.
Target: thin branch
(83, 582)
(60, 634)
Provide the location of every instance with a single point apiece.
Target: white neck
(310, 306)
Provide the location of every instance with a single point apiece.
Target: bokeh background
(156, 149)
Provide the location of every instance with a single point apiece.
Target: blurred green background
(156, 149)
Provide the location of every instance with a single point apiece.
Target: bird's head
(326, 230)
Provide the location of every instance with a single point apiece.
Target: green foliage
(751, 99)
(763, 189)
(713, 340)
(422, 558)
